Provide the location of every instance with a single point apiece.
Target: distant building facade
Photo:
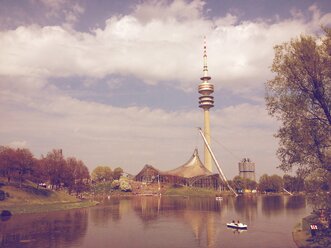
(247, 169)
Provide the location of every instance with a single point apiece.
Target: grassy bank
(191, 191)
(28, 198)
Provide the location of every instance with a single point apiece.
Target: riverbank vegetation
(27, 197)
(190, 191)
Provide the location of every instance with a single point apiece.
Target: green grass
(30, 199)
(191, 191)
(101, 188)
(55, 206)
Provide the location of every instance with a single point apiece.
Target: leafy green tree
(16, 163)
(125, 186)
(78, 175)
(318, 186)
(117, 173)
(300, 97)
(276, 183)
(293, 183)
(115, 184)
(318, 180)
(264, 183)
(6, 167)
(272, 183)
(102, 174)
(250, 184)
(39, 174)
(55, 168)
(238, 183)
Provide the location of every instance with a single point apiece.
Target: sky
(115, 82)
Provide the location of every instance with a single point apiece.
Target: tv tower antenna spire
(206, 101)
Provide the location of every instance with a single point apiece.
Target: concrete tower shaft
(206, 101)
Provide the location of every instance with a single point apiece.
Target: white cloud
(18, 144)
(70, 11)
(156, 43)
(163, 10)
(131, 137)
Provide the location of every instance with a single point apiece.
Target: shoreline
(300, 236)
(48, 207)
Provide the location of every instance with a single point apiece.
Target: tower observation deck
(206, 101)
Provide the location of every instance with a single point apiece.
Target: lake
(153, 221)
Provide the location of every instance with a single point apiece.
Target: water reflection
(246, 206)
(147, 207)
(295, 202)
(102, 215)
(5, 217)
(272, 205)
(160, 222)
(44, 230)
(197, 213)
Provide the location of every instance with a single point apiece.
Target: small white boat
(236, 225)
(219, 198)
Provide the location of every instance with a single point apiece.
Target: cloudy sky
(115, 82)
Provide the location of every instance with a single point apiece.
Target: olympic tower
(206, 101)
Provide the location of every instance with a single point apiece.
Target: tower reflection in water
(198, 213)
(153, 221)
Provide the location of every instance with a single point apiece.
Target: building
(206, 101)
(247, 169)
(192, 173)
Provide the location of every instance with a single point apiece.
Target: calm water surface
(161, 222)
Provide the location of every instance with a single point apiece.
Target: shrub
(115, 184)
(2, 195)
(5, 213)
(125, 186)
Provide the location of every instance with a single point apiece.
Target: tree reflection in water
(295, 202)
(161, 222)
(272, 205)
(246, 206)
(44, 230)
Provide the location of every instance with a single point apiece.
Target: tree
(125, 186)
(300, 97)
(39, 174)
(16, 163)
(102, 174)
(272, 183)
(318, 185)
(25, 163)
(250, 184)
(293, 183)
(55, 168)
(6, 167)
(238, 183)
(78, 175)
(264, 182)
(318, 180)
(118, 172)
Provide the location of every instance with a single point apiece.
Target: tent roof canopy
(193, 167)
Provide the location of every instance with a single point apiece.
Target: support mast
(221, 174)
